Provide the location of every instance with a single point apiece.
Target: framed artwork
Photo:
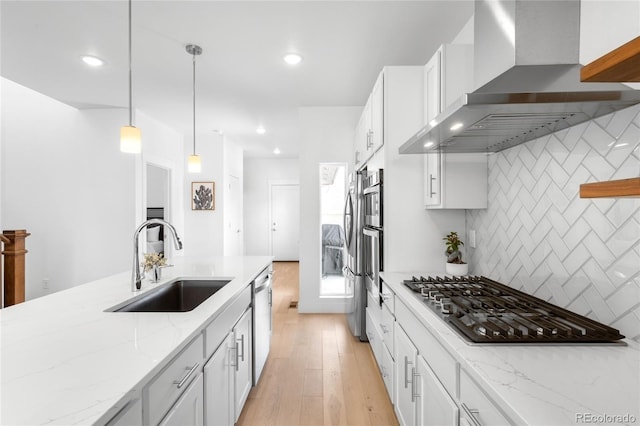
(203, 195)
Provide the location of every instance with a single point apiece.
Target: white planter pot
(457, 268)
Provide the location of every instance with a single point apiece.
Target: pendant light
(130, 137)
(194, 165)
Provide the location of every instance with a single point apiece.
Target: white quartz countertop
(542, 384)
(64, 360)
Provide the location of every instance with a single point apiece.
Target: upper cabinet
(451, 181)
(369, 136)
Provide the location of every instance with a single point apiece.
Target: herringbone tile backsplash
(539, 236)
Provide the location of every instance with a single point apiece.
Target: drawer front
(167, 386)
(388, 297)
(476, 407)
(374, 306)
(386, 326)
(440, 361)
(387, 372)
(218, 329)
(374, 336)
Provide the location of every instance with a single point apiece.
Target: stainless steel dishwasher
(262, 320)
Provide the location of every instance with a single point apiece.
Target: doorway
(233, 242)
(284, 200)
(333, 189)
(157, 207)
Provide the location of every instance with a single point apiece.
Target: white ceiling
(242, 81)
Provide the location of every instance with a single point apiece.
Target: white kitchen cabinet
(447, 76)
(476, 408)
(129, 415)
(455, 181)
(434, 405)
(451, 181)
(189, 408)
(169, 385)
(369, 136)
(243, 377)
(218, 384)
(405, 372)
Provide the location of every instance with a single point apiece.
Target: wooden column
(14, 266)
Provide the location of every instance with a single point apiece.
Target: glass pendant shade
(130, 140)
(194, 165)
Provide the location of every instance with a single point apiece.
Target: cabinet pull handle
(471, 414)
(414, 387)
(237, 364)
(406, 373)
(190, 371)
(242, 344)
(431, 179)
(369, 139)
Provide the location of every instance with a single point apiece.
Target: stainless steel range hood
(527, 81)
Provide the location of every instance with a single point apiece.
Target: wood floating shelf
(619, 65)
(612, 188)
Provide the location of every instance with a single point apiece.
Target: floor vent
(293, 304)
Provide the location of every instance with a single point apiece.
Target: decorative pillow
(153, 234)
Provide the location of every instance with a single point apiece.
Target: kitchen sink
(177, 296)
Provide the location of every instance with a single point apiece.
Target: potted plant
(153, 262)
(454, 265)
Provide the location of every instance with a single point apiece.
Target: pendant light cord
(194, 104)
(130, 73)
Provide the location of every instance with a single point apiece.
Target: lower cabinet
(218, 384)
(243, 365)
(434, 405)
(405, 372)
(129, 415)
(476, 407)
(162, 394)
(189, 408)
(228, 376)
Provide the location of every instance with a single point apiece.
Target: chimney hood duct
(527, 81)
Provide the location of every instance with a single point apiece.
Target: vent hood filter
(492, 122)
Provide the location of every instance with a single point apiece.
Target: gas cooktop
(486, 311)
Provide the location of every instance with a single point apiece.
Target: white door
(189, 408)
(234, 244)
(243, 362)
(218, 385)
(285, 222)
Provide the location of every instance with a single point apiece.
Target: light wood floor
(317, 373)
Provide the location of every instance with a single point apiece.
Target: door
(435, 406)
(188, 409)
(285, 222)
(233, 220)
(218, 385)
(405, 369)
(243, 363)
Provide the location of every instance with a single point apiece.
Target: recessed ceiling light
(292, 58)
(428, 144)
(92, 61)
(276, 151)
(455, 126)
(260, 130)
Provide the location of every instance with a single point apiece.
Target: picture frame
(203, 196)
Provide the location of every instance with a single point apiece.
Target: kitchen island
(66, 360)
(526, 384)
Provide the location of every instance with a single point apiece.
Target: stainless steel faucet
(136, 278)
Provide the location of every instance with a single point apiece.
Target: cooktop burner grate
(486, 311)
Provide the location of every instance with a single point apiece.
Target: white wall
(258, 172)
(162, 147)
(204, 228)
(233, 167)
(65, 180)
(326, 136)
(605, 25)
